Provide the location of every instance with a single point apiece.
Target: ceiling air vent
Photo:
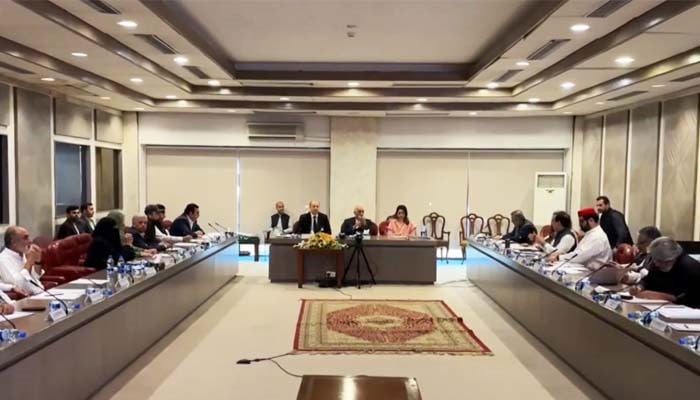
(101, 6)
(547, 49)
(608, 8)
(429, 85)
(285, 112)
(687, 77)
(196, 71)
(158, 43)
(627, 95)
(275, 131)
(424, 114)
(14, 69)
(278, 83)
(507, 75)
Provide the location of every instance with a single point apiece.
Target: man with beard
(593, 251)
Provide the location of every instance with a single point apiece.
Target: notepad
(83, 281)
(679, 314)
(63, 294)
(18, 314)
(684, 327)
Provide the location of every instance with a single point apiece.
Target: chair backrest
(42, 241)
(495, 225)
(470, 225)
(73, 249)
(546, 231)
(295, 227)
(435, 223)
(167, 224)
(373, 229)
(383, 228)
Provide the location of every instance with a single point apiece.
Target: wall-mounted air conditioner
(266, 131)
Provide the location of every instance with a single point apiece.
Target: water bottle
(423, 231)
(689, 342)
(9, 336)
(110, 264)
(121, 270)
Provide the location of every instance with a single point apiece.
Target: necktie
(314, 225)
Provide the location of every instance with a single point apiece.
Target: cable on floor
(343, 293)
(246, 361)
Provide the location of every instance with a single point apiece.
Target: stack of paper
(680, 314)
(18, 314)
(63, 294)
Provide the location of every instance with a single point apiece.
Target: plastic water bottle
(110, 264)
(689, 342)
(423, 231)
(121, 270)
(9, 336)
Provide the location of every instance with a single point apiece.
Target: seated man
(563, 239)
(593, 251)
(279, 222)
(523, 231)
(313, 221)
(155, 232)
(673, 276)
(642, 260)
(137, 230)
(358, 223)
(19, 271)
(72, 225)
(186, 224)
(87, 212)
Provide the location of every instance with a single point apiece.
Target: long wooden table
(412, 261)
(73, 357)
(620, 357)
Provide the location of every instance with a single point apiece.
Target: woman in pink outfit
(399, 225)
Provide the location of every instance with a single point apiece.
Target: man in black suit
(613, 223)
(313, 221)
(87, 211)
(139, 225)
(71, 226)
(358, 223)
(279, 222)
(186, 224)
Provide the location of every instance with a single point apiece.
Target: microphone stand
(63, 303)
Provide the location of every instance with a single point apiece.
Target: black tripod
(358, 251)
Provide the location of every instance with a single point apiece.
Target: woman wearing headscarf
(106, 241)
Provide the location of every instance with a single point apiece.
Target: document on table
(684, 327)
(184, 245)
(569, 266)
(680, 313)
(83, 281)
(18, 314)
(63, 294)
(638, 300)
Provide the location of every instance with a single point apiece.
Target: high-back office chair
(383, 228)
(469, 225)
(495, 225)
(435, 223)
(546, 231)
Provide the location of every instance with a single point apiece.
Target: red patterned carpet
(383, 326)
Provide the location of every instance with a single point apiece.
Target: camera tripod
(358, 251)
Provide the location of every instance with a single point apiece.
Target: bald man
(357, 223)
(279, 222)
(314, 221)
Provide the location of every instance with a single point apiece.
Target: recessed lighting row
(579, 28)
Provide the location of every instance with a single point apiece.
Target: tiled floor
(251, 317)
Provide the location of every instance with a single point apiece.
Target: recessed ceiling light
(492, 85)
(521, 106)
(231, 111)
(522, 63)
(422, 99)
(138, 108)
(171, 96)
(127, 24)
(567, 112)
(625, 82)
(182, 60)
(694, 58)
(213, 82)
(578, 28)
(473, 113)
(534, 100)
(224, 91)
(600, 103)
(353, 84)
(136, 80)
(284, 98)
(660, 85)
(48, 79)
(624, 60)
(567, 85)
(182, 103)
(105, 98)
(78, 54)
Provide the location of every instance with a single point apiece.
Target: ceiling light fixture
(78, 54)
(284, 98)
(181, 60)
(182, 103)
(522, 63)
(624, 60)
(171, 96)
(353, 84)
(127, 24)
(105, 98)
(534, 100)
(492, 85)
(473, 113)
(224, 91)
(567, 112)
(136, 80)
(600, 103)
(521, 106)
(422, 99)
(567, 85)
(231, 111)
(48, 79)
(213, 82)
(625, 82)
(578, 28)
(138, 108)
(660, 85)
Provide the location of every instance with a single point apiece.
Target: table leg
(300, 269)
(339, 258)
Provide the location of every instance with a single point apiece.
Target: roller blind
(207, 177)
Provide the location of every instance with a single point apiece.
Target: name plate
(658, 325)
(96, 297)
(612, 304)
(150, 271)
(123, 282)
(57, 314)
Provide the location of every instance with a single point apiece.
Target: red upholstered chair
(383, 228)
(546, 231)
(624, 254)
(167, 224)
(42, 241)
(65, 257)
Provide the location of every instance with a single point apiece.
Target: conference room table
(621, 357)
(405, 261)
(75, 356)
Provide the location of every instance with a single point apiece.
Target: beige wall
(131, 152)
(353, 167)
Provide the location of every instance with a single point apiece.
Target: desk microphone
(63, 303)
(9, 321)
(213, 227)
(563, 264)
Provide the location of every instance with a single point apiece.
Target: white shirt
(13, 273)
(567, 242)
(593, 251)
(160, 235)
(5, 298)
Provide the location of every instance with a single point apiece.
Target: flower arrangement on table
(320, 241)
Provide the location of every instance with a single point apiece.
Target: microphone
(63, 303)
(9, 321)
(100, 285)
(212, 227)
(564, 263)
